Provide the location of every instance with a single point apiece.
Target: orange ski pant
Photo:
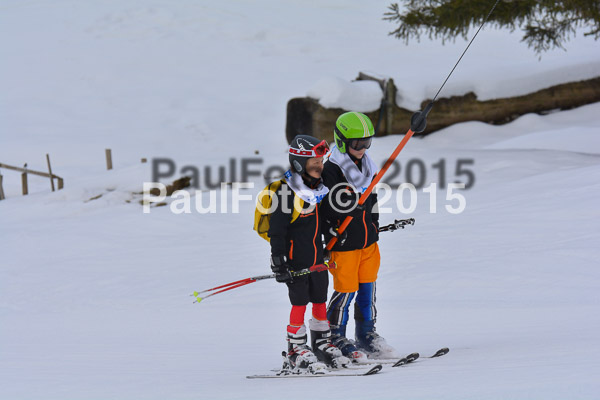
(354, 267)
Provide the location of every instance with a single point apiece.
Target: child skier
(296, 243)
(347, 174)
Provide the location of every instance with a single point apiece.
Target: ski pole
(418, 122)
(398, 224)
(242, 282)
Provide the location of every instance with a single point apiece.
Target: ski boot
(370, 341)
(327, 352)
(348, 349)
(301, 358)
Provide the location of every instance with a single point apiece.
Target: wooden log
(307, 116)
(1, 189)
(109, 164)
(449, 111)
(50, 172)
(24, 183)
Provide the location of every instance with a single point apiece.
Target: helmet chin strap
(356, 160)
(353, 158)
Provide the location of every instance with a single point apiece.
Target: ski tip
(374, 370)
(405, 360)
(400, 362)
(441, 352)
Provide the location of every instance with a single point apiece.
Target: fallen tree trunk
(306, 116)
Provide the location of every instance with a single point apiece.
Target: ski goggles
(359, 144)
(319, 150)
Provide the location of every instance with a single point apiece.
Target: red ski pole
(243, 282)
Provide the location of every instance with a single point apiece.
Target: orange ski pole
(417, 125)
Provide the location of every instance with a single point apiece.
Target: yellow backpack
(262, 214)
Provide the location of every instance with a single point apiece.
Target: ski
(406, 360)
(331, 373)
(414, 356)
(386, 361)
(394, 362)
(440, 352)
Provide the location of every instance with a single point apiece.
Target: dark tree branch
(546, 24)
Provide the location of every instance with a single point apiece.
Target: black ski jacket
(363, 231)
(300, 241)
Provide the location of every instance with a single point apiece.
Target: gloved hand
(281, 268)
(357, 209)
(341, 238)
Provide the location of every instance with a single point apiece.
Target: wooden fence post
(26, 172)
(108, 159)
(50, 172)
(390, 96)
(24, 182)
(1, 189)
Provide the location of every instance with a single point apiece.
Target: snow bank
(333, 92)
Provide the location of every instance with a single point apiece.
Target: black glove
(281, 268)
(341, 238)
(356, 209)
(326, 255)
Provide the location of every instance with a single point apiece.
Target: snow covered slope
(94, 294)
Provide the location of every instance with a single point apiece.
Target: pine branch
(546, 24)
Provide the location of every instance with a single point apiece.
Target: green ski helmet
(353, 129)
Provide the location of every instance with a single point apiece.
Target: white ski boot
(301, 358)
(369, 340)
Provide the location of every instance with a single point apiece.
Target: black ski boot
(348, 349)
(325, 351)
